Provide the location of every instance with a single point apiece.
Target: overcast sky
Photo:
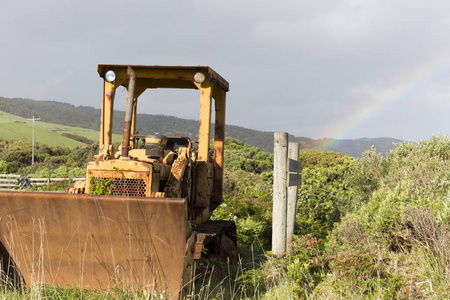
(329, 68)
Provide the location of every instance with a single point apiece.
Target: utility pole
(32, 155)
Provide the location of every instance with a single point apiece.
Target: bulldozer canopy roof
(165, 76)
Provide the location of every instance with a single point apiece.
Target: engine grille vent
(133, 187)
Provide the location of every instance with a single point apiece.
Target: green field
(13, 127)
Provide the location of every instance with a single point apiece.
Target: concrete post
(279, 193)
(292, 194)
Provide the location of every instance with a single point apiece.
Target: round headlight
(199, 77)
(110, 76)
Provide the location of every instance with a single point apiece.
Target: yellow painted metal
(128, 177)
(161, 77)
(208, 180)
(205, 120)
(178, 76)
(102, 118)
(139, 90)
(200, 211)
(165, 83)
(108, 114)
(219, 140)
(106, 124)
(173, 186)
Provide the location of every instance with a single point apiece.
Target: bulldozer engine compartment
(140, 218)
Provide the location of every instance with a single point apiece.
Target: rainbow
(383, 99)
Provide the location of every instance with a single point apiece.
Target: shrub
(433, 237)
(403, 218)
(60, 172)
(4, 167)
(324, 195)
(248, 202)
(362, 273)
(246, 158)
(307, 264)
(365, 177)
(100, 186)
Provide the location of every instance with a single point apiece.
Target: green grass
(75, 292)
(18, 128)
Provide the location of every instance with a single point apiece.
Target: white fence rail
(8, 181)
(14, 182)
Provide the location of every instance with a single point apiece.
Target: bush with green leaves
(248, 178)
(307, 265)
(18, 157)
(16, 154)
(413, 175)
(403, 218)
(247, 158)
(365, 177)
(60, 172)
(248, 202)
(4, 167)
(101, 186)
(324, 195)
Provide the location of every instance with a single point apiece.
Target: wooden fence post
(292, 195)
(279, 193)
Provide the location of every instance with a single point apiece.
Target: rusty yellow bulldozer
(141, 217)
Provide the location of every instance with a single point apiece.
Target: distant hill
(87, 117)
(13, 127)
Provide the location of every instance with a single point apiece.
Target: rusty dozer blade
(97, 241)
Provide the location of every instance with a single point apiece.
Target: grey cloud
(297, 66)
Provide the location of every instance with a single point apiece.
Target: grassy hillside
(89, 118)
(17, 128)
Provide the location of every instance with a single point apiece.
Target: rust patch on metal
(216, 237)
(219, 132)
(199, 245)
(96, 241)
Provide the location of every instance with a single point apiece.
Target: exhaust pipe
(128, 112)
